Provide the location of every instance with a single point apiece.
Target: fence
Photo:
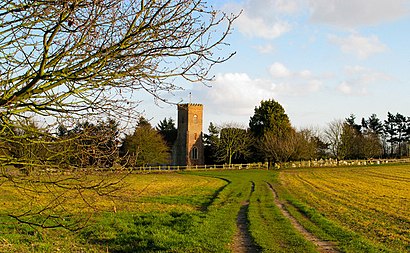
(165, 168)
(248, 166)
(294, 164)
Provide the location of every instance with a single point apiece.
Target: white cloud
(294, 82)
(359, 79)
(278, 70)
(263, 18)
(265, 49)
(351, 88)
(361, 46)
(258, 27)
(305, 74)
(270, 8)
(237, 93)
(286, 6)
(354, 13)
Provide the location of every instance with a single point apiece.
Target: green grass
(272, 231)
(191, 212)
(210, 228)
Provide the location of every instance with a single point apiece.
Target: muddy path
(242, 242)
(321, 245)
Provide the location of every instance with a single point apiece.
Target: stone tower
(189, 148)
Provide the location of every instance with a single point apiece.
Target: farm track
(321, 245)
(243, 242)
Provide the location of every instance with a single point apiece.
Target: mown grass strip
(209, 229)
(270, 229)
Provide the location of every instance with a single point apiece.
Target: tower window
(195, 119)
(194, 153)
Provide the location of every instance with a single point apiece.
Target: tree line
(86, 144)
(271, 137)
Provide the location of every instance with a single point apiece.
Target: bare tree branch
(68, 59)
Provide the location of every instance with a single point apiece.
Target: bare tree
(88, 56)
(333, 135)
(234, 142)
(309, 144)
(279, 147)
(65, 60)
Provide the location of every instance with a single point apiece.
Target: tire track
(321, 245)
(243, 242)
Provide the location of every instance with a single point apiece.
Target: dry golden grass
(374, 201)
(135, 192)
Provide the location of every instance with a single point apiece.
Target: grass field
(361, 209)
(371, 201)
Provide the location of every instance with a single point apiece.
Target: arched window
(194, 153)
(195, 119)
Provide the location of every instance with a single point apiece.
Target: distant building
(189, 148)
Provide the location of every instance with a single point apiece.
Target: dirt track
(321, 245)
(242, 242)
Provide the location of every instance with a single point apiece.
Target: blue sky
(320, 59)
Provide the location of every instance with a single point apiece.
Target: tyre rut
(243, 242)
(321, 245)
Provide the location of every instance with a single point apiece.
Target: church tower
(189, 148)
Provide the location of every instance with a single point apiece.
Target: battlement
(189, 104)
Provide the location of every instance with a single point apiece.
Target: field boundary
(327, 163)
(246, 166)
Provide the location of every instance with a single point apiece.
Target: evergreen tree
(168, 131)
(372, 130)
(396, 128)
(269, 117)
(270, 125)
(144, 147)
(352, 139)
(211, 142)
(373, 124)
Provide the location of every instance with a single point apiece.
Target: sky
(322, 60)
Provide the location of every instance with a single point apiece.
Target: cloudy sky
(320, 59)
